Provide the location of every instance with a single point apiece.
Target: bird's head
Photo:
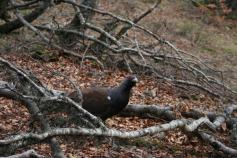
(130, 82)
(133, 79)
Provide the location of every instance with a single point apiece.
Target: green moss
(208, 49)
(226, 45)
(141, 142)
(25, 11)
(175, 148)
(149, 1)
(192, 31)
(232, 16)
(41, 53)
(186, 28)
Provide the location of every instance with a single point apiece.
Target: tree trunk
(3, 13)
(69, 40)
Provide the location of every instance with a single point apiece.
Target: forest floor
(212, 38)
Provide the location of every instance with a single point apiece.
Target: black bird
(106, 102)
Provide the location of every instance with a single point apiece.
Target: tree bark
(69, 40)
(3, 13)
(16, 24)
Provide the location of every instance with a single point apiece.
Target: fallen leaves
(147, 91)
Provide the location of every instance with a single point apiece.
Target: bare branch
(26, 154)
(97, 132)
(217, 144)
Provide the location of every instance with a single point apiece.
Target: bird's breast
(119, 101)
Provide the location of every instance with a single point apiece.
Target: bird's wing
(96, 100)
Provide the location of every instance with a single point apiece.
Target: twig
(45, 39)
(26, 154)
(217, 144)
(83, 56)
(97, 132)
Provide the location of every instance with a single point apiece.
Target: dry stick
(116, 17)
(79, 93)
(115, 133)
(209, 79)
(189, 67)
(69, 101)
(34, 110)
(92, 38)
(230, 109)
(176, 50)
(153, 35)
(174, 81)
(218, 118)
(97, 132)
(103, 32)
(79, 14)
(187, 82)
(83, 56)
(20, 6)
(8, 91)
(139, 51)
(123, 30)
(54, 145)
(88, 37)
(196, 70)
(136, 20)
(217, 144)
(134, 50)
(214, 142)
(121, 50)
(216, 124)
(93, 27)
(199, 60)
(16, 24)
(189, 125)
(92, 117)
(45, 39)
(231, 121)
(97, 29)
(42, 90)
(38, 115)
(127, 64)
(26, 154)
(150, 111)
(197, 123)
(209, 138)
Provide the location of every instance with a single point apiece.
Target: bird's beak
(135, 80)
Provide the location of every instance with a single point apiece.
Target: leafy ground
(174, 143)
(198, 31)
